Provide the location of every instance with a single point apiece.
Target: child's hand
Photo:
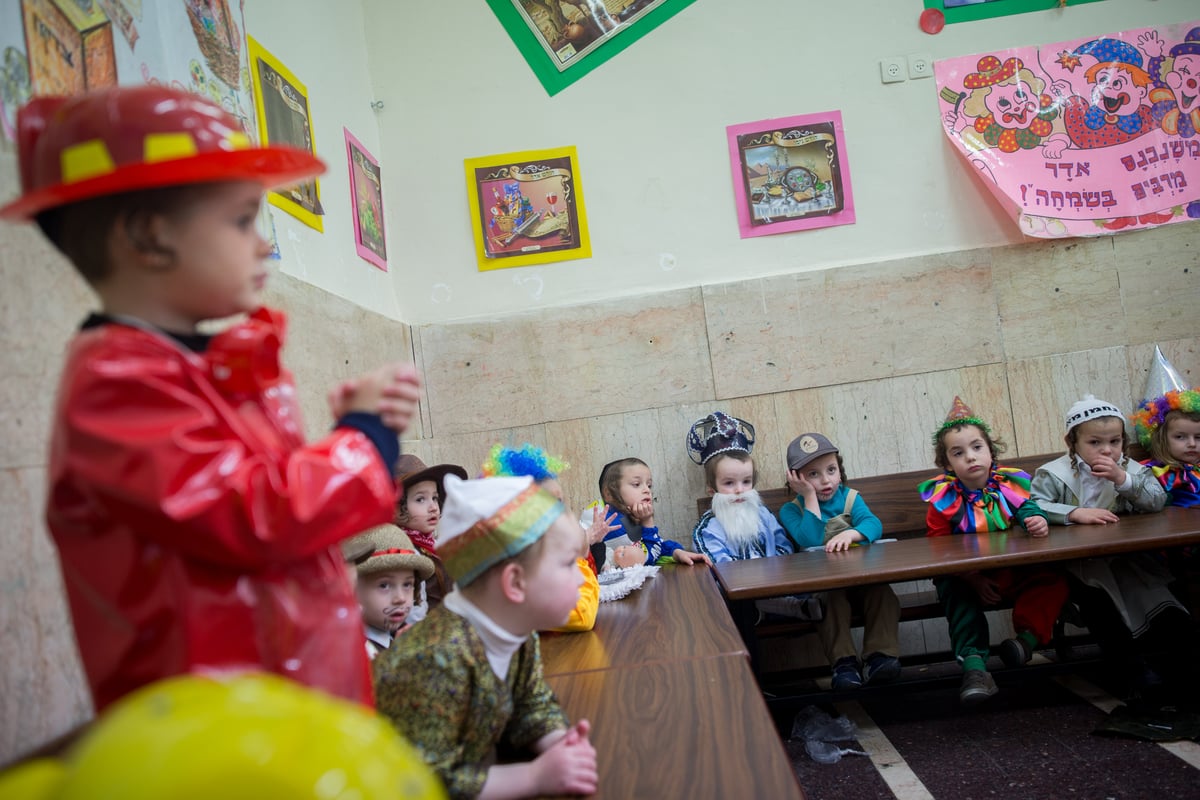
(798, 484)
(602, 524)
(401, 393)
(1037, 527)
(643, 513)
(569, 765)
(1108, 469)
(688, 557)
(987, 588)
(843, 541)
(390, 391)
(1091, 516)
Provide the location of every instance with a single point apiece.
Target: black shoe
(881, 668)
(846, 675)
(1014, 652)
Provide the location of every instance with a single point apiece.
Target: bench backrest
(893, 498)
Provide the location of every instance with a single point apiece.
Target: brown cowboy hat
(411, 470)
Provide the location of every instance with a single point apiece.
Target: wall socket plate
(920, 65)
(892, 69)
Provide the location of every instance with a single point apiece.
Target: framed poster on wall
(366, 200)
(971, 10)
(281, 106)
(527, 208)
(563, 40)
(790, 174)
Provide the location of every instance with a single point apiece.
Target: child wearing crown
(738, 525)
(195, 527)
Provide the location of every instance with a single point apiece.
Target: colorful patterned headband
(1154, 410)
(503, 534)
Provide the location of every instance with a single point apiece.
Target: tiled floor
(1033, 740)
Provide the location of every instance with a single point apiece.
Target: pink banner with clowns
(1084, 137)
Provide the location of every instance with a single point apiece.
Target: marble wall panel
(884, 426)
(44, 692)
(329, 340)
(41, 307)
(1043, 389)
(1184, 355)
(851, 324)
(567, 363)
(1058, 296)
(1160, 281)
(590, 443)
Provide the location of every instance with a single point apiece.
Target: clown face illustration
(1116, 92)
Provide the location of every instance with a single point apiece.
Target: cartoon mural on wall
(1084, 137)
(67, 46)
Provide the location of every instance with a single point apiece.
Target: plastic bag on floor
(828, 752)
(819, 731)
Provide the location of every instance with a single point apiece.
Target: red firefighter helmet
(125, 138)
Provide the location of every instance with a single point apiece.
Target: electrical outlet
(891, 69)
(920, 65)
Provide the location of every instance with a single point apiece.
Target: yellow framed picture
(281, 106)
(527, 208)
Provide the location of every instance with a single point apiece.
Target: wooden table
(677, 614)
(664, 677)
(927, 557)
(696, 727)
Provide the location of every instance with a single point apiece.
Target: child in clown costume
(974, 495)
(1167, 424)
(196, 529)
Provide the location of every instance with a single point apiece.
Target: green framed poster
(563, 40)
(971, 10)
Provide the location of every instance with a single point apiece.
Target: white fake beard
(740, 520)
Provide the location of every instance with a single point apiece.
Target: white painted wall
(322, 43)
(650, 130)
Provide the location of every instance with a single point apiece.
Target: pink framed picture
(366, 199)
(790, 174)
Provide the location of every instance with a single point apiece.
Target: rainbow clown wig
(1153, 410)
(528, 460)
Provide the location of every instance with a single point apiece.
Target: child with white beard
(738, 526)
(826, 512)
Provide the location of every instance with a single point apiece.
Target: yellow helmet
(253, 736)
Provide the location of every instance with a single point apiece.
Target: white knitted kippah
(1090, 408)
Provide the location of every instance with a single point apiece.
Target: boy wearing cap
(386, 584)
(469, 678)
(825, 512)
(418, 512)
(188, 511)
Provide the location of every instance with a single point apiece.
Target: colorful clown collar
(1182, 482)
(991, 508)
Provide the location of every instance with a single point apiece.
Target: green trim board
(996, 8)
(555, 77)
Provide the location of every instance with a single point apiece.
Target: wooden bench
(895, 501)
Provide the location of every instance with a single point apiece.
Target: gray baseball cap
(807, 446)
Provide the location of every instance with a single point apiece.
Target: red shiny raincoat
(195, 528)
